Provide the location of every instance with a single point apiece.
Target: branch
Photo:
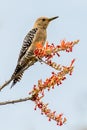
(8, 81)
(5, 84)
(56, 79)
(51, 64)
(47, 52)
(16, 101)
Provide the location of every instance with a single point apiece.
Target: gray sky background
(16, 19)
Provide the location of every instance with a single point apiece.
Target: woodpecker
(36, 35)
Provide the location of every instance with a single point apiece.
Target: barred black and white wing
(26, 44)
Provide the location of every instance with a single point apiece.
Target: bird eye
(43, 19)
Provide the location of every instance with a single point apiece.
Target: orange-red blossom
(50, 50)
(56, 79)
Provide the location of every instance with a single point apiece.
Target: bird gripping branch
(37, 35)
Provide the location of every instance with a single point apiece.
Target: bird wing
(27, 42)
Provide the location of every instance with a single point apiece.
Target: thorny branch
(7, 82)
(49, 51)
(16, 101)
(40, 60)
(56, 79)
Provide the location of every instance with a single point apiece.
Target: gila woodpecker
(36, 35)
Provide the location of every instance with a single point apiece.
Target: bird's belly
(27, 59)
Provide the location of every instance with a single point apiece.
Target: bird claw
(39, 59)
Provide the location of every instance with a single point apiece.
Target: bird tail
(18, 77)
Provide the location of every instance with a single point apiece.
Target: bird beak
(50, 19)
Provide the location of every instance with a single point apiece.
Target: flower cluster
(50, 50)
(54, 80)
(51, 115)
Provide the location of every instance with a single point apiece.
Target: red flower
(48, 52)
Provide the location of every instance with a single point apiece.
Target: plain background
(16, 19)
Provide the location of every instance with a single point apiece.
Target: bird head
(43, 22)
